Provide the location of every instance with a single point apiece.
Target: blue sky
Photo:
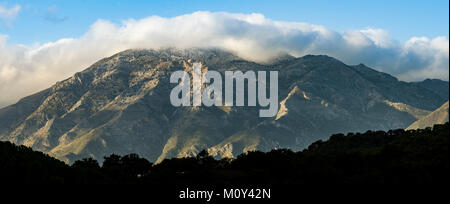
(50, 20)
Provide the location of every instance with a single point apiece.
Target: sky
(45, 41)
(50, 20)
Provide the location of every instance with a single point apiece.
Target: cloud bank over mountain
(27, 69)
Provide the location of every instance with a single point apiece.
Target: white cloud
(8, 14)
(24, 70)
(379, 37)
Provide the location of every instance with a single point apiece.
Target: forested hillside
(393, 157)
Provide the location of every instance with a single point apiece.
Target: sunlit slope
(439, 116)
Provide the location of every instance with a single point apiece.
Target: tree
(86, 163)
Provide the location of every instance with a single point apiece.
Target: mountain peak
(172, 53)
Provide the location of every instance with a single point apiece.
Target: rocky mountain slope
(438, 86)
(439, 116)
(121, 105)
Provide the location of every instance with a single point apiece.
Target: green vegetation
(375, 157)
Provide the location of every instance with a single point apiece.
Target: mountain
(439, 116)
(121, 104)
(438, 86)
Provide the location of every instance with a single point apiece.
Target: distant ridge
(436, 85)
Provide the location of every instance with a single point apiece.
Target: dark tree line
(374, 157)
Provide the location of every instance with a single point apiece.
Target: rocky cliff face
(121, 105)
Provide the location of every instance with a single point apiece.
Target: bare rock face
(121, 104)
